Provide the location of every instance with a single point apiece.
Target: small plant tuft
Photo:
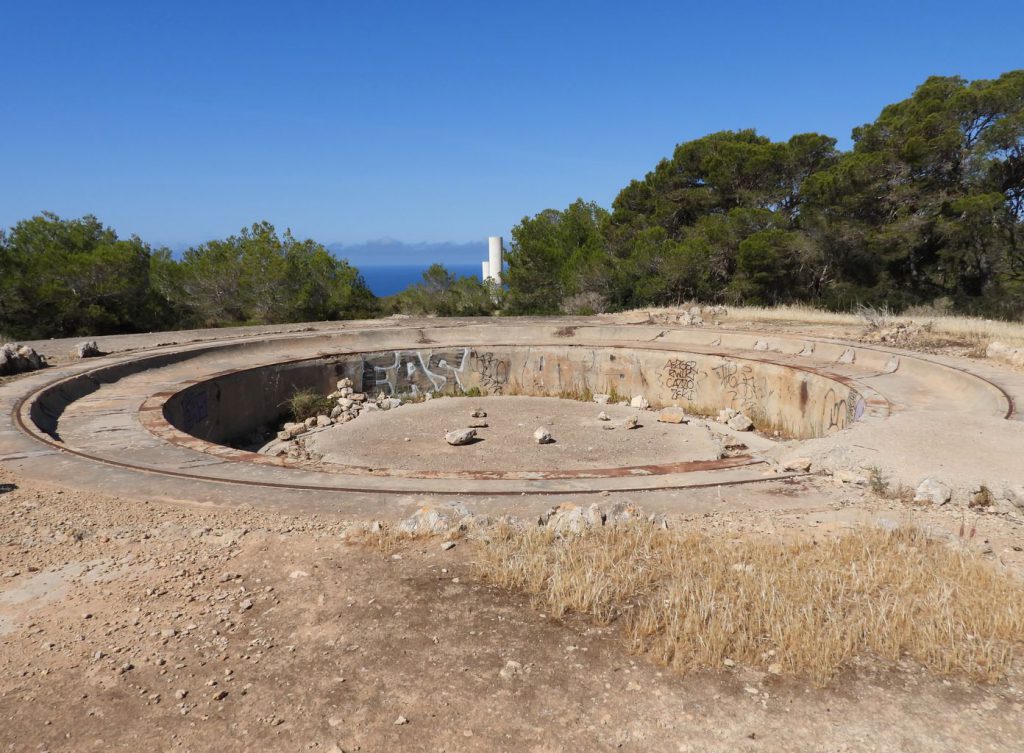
(307, 403)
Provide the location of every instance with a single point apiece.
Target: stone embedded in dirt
(640, 402)
(478, 425)
(740, 422)
(543, 436)
(296, 574)
(88, 349)
(571, 518)
(672, 415)
(602, 416)
(998, 351)
(15, 359)
(323, 420)
(510, 670)
(632, 422)
(447, 545)
(401, 720)
(293, 429)
(431, 519)
(478, 413)
(1015, 496)
(847, 476)
(310, 422)
(801, 465)
(389, 402)
(460, 437)
(934, 491)
(602, 399)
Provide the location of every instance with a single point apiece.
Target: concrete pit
(169, 420)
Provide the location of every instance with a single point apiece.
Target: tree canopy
(66, 277)
(927, 207)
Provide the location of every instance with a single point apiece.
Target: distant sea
(391, 279)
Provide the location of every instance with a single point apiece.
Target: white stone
(460, 437)
(740, 422)
(934, 491)
(640, 402)
(672, 415)
(543, 436)
(602, 416)
(632, 422)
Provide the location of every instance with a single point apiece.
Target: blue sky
(429, 121)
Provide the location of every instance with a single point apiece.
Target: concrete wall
(796, 403)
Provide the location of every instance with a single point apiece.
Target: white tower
(494, 258)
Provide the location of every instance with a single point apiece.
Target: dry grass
(969, 329)
(692, 600)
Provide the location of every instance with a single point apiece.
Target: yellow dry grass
(971, 329)
(693, 600)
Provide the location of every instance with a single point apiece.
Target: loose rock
(639, 402)
(672, 415)
(740, 422)
(88, 349)
(543, 436)
(931, 490)
(460, 437)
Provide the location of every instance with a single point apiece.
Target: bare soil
(285, 637)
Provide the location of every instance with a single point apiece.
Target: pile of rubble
(349, 405)
(694, 316)
(454, 519)
(15, 359)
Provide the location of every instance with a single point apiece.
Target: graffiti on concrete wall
(839, 412)
(423, 371)
(492, 371)
(415, 371)
(680, 378)
(742, 389)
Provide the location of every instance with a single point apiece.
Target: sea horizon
(388, 279)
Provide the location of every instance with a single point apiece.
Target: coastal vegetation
(925, 209)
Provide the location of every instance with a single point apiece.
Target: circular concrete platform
(162, 420)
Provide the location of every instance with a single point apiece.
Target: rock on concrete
(740, 422)
(88, 349)
(15, 359)
(460, 437)
(998, 351)
(672, 415)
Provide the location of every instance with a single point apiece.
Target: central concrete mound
(410, 438)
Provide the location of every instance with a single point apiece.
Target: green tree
(442, 293)
(555, 255)
(259, 277)
(66, 277)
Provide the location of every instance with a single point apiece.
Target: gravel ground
(127, 625)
